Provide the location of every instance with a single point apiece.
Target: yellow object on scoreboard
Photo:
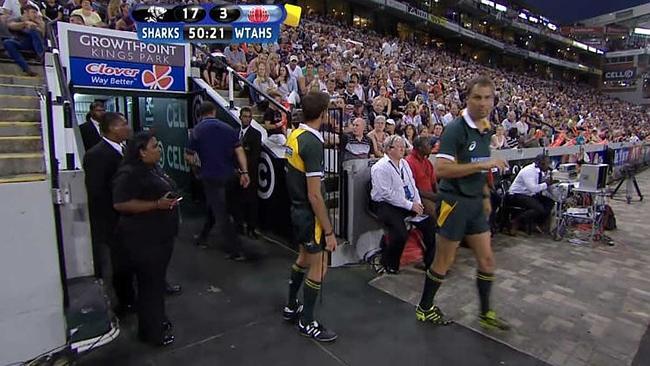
(293, 15)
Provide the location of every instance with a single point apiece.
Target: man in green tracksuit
(311, 225)
(464, 203)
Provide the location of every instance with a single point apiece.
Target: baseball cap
(390, 121)
(293, 58)
(440, 107)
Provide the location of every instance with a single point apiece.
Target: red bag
(413, 250)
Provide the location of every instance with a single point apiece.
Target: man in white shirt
(395, 198)
(522, 127)
(525, 192)
(508, 123)
(293, 68)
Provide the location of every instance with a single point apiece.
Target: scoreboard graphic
(210, 23)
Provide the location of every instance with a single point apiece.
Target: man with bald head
(356, 145)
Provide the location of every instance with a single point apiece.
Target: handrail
(66, 98)
(232, 74)
(53, 45)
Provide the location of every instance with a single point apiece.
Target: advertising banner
(110, 59)
(619, 72)
(126, 75)
(417, 12)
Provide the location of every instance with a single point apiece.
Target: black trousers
(215, 195)
(123, 274)
(150, 263)
(537, 207)
(393, 218)
(105, 245)
(244, 207)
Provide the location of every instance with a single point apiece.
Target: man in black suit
(90, 130)
(251, 141)
(100, 164)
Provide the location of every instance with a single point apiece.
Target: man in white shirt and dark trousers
(525, 192)
(396, 197)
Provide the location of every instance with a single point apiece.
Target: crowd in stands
(369, 76)
(413, 90)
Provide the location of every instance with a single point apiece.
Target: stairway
(21, 146)
(243, 102)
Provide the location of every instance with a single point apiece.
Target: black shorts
(307, 231)
(459, 216)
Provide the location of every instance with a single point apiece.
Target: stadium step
(12, 164)
(22, 157)
(20, 114)
(9, 68)
(19, 101)
(22, 178)
(20, 81)
(20, 144)
(243, 102)
(20, 129)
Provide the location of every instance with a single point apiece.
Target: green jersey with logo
(464, 144)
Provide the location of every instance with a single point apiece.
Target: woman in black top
(147, 202)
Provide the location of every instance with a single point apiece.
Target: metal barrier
(363, 233)
(335, 192)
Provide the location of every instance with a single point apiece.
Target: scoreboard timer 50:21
(210, 23)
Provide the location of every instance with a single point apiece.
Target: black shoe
(316, 331)
(292, 313)
(167, 340)
(172, 290)
(199, 240)
(392, 271)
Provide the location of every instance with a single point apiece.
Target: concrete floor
(229, 313)
(579, 305)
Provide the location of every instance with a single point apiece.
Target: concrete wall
(31, 300)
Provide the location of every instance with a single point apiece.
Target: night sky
(569, 11)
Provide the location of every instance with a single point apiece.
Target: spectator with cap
(438, 113)
(390, 126)
(294, 69)
(52, 10)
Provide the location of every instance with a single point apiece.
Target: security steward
(245, 206)
(100, 164)
(311, 226)
(464, 203)
(147, 201)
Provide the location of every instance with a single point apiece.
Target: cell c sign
(625, 74)
(110, 59)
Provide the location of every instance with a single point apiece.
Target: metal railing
(234, 75)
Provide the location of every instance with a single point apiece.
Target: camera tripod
(629, 178)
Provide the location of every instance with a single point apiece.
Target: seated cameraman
(525, 192)
(396, 198)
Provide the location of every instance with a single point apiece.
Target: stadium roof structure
(637, 16)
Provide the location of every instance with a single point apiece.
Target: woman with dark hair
(147, 201)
